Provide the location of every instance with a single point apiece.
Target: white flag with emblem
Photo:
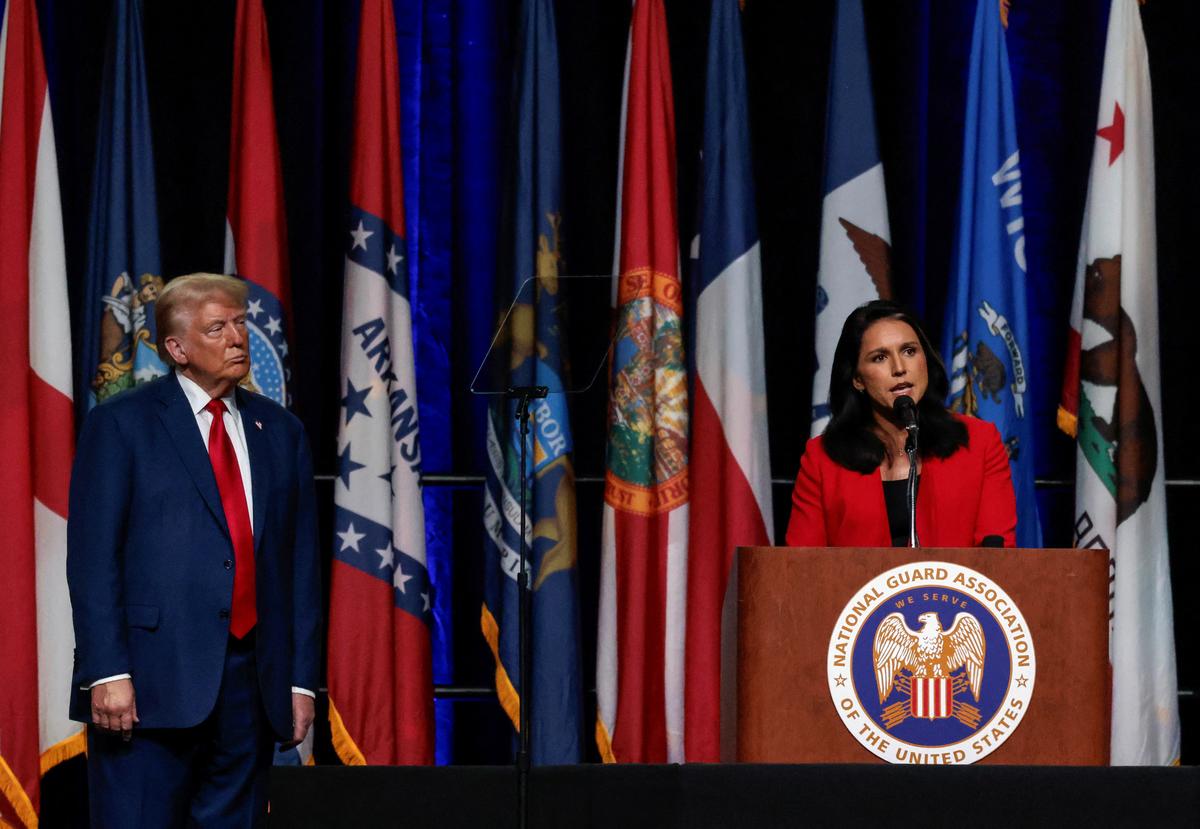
(1111, 402)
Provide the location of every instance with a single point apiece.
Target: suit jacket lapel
(180, 421)
(258, 447)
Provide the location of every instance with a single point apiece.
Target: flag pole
(524, 394)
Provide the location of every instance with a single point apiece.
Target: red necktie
(243, 616)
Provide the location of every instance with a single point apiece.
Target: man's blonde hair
(183, 294)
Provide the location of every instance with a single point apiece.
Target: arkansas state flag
(36, 638)
(380, 685)
(730, 465)
(1112, 401)
(255, 225)
(643, 576)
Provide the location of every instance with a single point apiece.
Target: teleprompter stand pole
(524, 394)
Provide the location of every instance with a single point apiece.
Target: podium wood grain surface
(789, 600)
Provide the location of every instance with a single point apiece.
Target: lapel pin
(258, 423)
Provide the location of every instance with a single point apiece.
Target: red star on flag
(1114, 134)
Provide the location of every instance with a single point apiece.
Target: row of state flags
(118, 351)
(687, 475)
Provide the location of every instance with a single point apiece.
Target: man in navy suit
(194, 578)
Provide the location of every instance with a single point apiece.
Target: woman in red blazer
(850, 490)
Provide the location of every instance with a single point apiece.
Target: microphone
(906, 410)
(993, 541)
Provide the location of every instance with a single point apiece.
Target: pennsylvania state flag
(986, 332)
(536, 358)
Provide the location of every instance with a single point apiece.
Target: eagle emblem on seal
(931, 666)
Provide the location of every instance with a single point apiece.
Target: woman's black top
(894, 496)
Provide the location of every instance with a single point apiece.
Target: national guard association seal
(931, 663)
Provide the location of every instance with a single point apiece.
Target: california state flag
(1111, 402)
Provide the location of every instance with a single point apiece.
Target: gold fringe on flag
(347, 750)
(604, 742)
(15, 794)
(1067, 422)
(64, 750)
(510, 700)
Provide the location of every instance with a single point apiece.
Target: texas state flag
(730, 465)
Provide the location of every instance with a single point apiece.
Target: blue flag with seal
(986, 329)
(537, 357)
(124, 271)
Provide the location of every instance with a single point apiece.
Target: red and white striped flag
(643, 580)
(931, 697)
(36, 638)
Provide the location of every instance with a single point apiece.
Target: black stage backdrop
(189, 54)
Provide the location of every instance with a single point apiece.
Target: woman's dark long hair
(850, 439)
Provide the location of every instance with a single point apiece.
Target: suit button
(228, 564)
(224, 614)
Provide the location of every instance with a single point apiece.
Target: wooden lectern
(788, 602)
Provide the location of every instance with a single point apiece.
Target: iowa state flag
(855, 264)
(36, 637)
(380, 686)
(986, 341)
(536, 357)
(730, 465)
(1112, 401)
(124, 274)
(255, 224)
(643, 576)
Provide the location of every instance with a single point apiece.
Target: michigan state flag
(985, 331)
(536, 358)
(124, 272)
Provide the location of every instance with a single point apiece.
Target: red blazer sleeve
(806, 526)
(997, 513)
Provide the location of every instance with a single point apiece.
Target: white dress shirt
(198, 400)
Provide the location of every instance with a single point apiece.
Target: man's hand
(304, 711)
(114, 708)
